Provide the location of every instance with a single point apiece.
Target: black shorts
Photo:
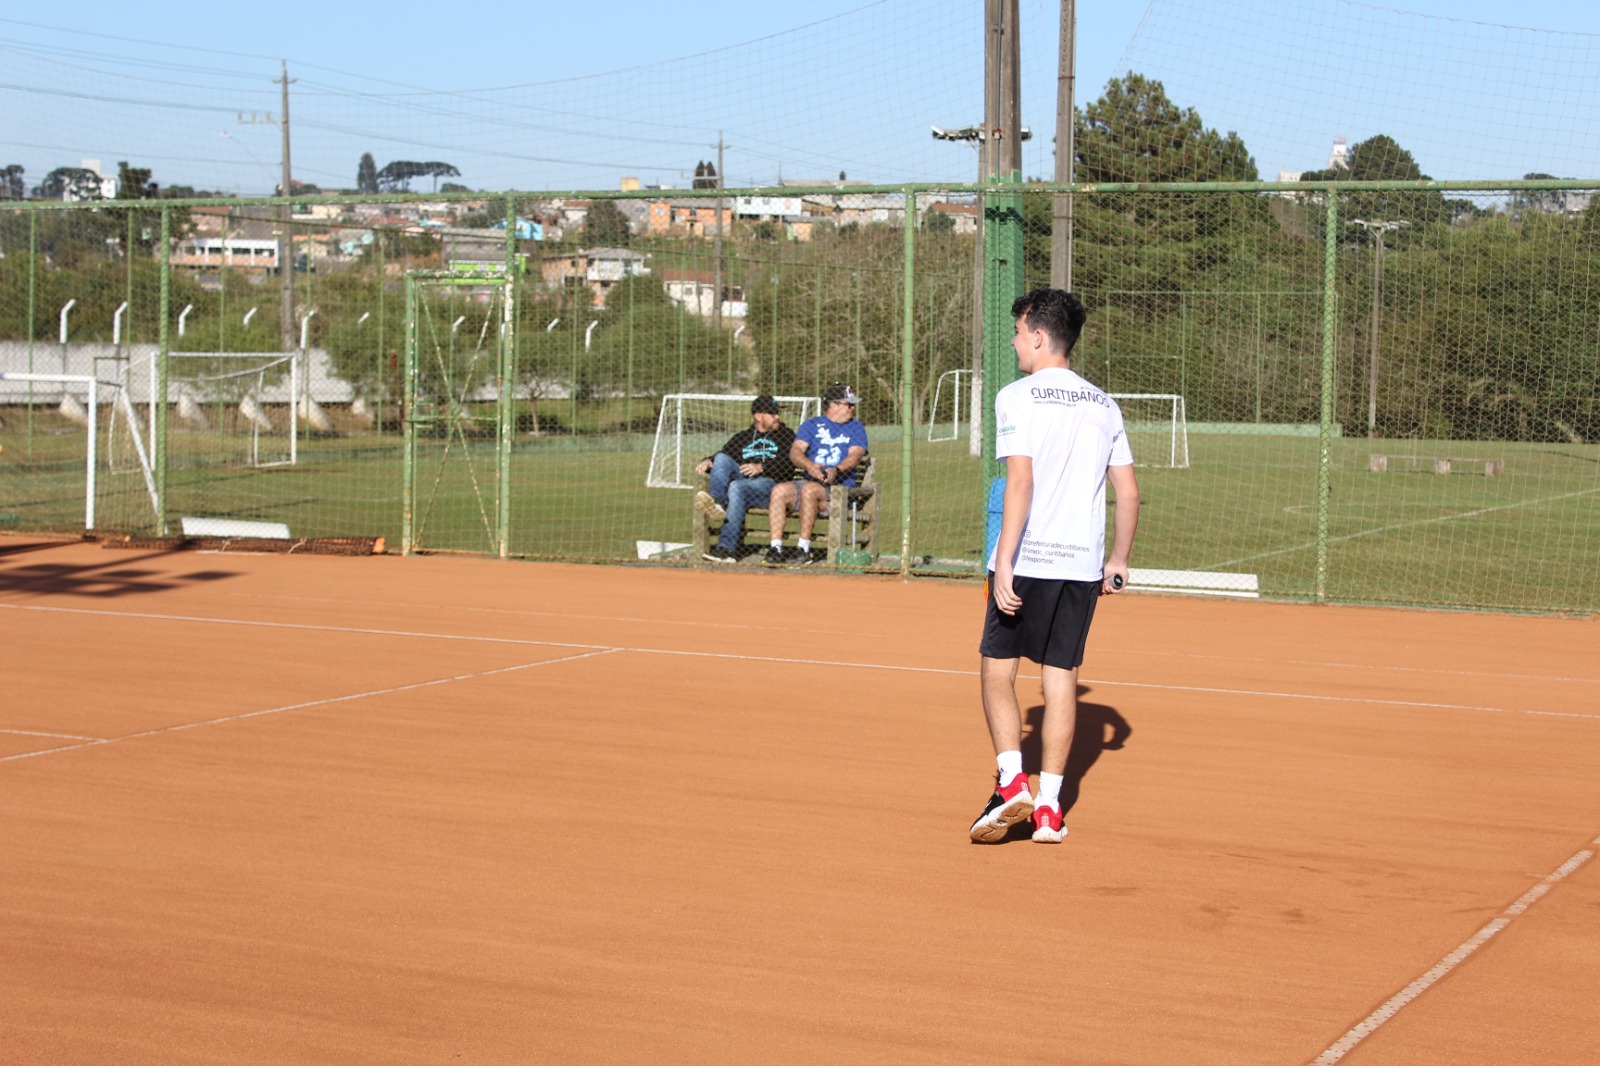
(1051, 627)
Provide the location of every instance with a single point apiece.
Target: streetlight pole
(1377, 228)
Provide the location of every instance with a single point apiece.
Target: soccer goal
(235, 408)
(952, 397)
(693, 425)
(103, 438)
(1158, 431)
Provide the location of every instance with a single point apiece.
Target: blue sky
(580, 96)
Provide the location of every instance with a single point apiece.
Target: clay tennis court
(280, 809)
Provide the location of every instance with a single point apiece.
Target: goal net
(234, 408)
(1158, 432)
(694, 425)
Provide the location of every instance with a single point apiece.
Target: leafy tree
(367, 174)
(606, 225)
(1381, 158)
(453, 186)
(1589, 224)
(11, 184)
(705, 176)
(1135, 133)
(133, 183)
(76, 183)
(397, 176)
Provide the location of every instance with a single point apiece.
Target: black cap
(764, 405)
(839, 392)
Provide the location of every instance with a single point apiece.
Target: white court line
(1403, 525)
(1365, 1028)
(56, 736)
(94, 743)
(1365, 701)
(302, 626)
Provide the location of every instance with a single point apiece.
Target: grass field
(1528, 539)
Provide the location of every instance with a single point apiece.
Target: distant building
(599, 268)
(1339, 157)
(696, 292)
(965, 216)
(686, 217)
(252, 255)
(767, 208)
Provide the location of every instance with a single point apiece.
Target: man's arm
(798, 455)
(1013, 521)
(851, 460)
(1126, 517)
(733, 447)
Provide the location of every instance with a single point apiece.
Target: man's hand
(1005, 597)
(703, 466)
(750, 469)
(1115, 578)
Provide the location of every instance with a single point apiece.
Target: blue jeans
(737, 494)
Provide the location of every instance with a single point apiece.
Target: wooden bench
(1441, 464)
(851, 525)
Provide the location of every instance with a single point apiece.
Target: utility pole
(1377, 228)
(1066, 149)
(716, 311)
(286, 257)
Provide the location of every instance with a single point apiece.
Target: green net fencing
(1400, 407)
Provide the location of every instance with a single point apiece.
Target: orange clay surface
(281, 809)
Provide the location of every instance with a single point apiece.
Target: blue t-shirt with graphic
(828, 442)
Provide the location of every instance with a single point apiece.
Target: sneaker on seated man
(826, 449)
(742, 475)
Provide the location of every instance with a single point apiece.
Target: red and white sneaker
(1047, 827)
(1008, 806)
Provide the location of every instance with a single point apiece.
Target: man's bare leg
(1060, 717)
(778, 505)
(811, 497)
(1000, 707)
(1011, 802)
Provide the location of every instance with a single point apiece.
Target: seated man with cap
(743, 474)
(827, 449)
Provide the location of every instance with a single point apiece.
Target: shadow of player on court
(1100, 728)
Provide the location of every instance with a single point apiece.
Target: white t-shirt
(1072, 431)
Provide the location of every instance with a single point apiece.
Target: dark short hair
(1058, 312)
(764, 405)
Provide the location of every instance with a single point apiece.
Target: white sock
(804, 544)
(1049, 790)
(1010, 764)
(777, 544)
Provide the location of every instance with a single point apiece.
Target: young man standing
(1061, 439)
(827, 448)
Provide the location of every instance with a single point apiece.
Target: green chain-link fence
(1368, 392)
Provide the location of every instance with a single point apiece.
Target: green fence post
(1330, 322)
(383, 377)
(33, 285)
(408, 406)
(158, 434)
(1002, 283)
(1258, 358)
(907, 358)
(507, 378)
(816, 340)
